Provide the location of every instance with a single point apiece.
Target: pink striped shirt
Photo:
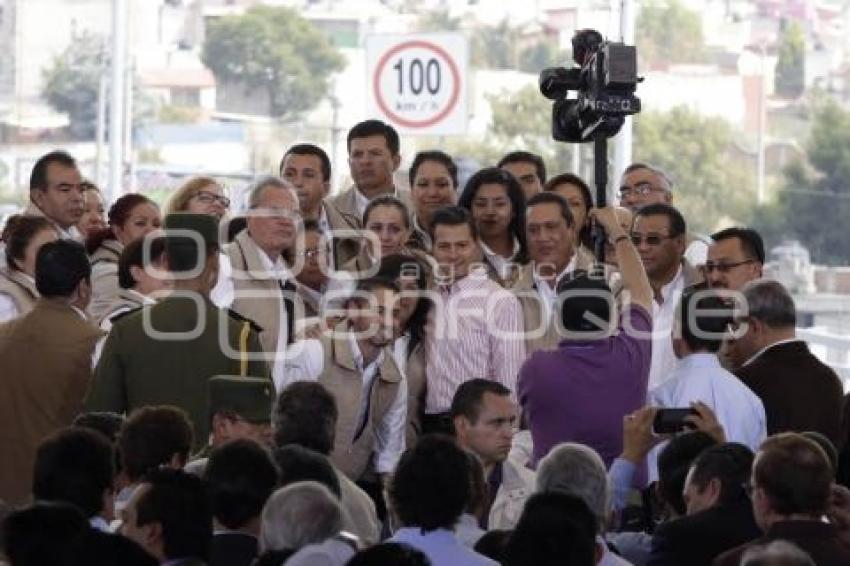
(474, 331)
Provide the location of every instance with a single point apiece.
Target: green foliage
(813, 203)
(668, 32)
(437, 21)
(537, 57)
(789, 79)
(693, 150)
(72, 82)
(273, 49)
(172, 114)
(495, 47)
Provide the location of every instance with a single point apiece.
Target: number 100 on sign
(418, 82)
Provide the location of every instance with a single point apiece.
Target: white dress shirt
(499, 262)
(363, 201)
(697, 252)
(700, 377)
(663, 358)
(548, 294)
(305, 361)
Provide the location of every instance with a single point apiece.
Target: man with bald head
(643, 184)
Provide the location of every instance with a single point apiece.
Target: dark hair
(305, 414)
(675, 461)
(297, 463)
(751, 242)
(436, 156)
(19, 232)
(429, 489)
(240, 477)
(581, 297)
(394, 266)
(106, 549)
(389, 554)
(552, 198)
(74, 465)
(374, 128)
(554, 528)
(452, 216)
(43, 533)
(494, 175)
(387, 200)
(38, 177)
(133, 256)
(151, 437)
(59, 268)
(703, 318)
(313, 225)
(372, 284)
(178, 502)
(825, 444)
(309, 149)
(585, 234)
(118, 215)
(469, 397)
(493, 543)
(678, 227)
(477, 502)
(794, 473)
(235, 224)
(728, 463)
(106, 423)
(525, 157)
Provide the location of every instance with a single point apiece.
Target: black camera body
(605, 83)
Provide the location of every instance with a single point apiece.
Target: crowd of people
(408, 372)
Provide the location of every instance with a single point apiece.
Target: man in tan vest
(47, 363)
(551, 237)
(261, 287)
(355, 364)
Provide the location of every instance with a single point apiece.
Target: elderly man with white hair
(304, 518)
(577, 470)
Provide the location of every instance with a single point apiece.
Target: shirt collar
(362, 200)
(491, 254)
(677, 281)
(79, 312)
(699, 359)
(468, 281)
(144, 299)
(768, 347)
(358, 355)
(278, 266)
(540, 281)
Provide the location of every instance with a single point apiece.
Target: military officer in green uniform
(240, 407)
(165, 354)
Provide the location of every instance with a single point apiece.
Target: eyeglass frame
(636, 239)
(208, 197)
(640, 189)
(723, 267)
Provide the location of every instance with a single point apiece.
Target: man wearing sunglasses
(644, 184)
(659, 234)
(734, 259)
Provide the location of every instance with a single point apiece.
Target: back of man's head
(43, 533)
(178, 502)
(469, 397)
(729, 464)
(305, 414)
(60, 266)
(675, 461)
(794, 474)
(769, 302)
(430, 487)
(240, 477)
(299, 514)
(577, 470)
(776, 553)
(586, 305)
(297, 463)
(74, 465)
(703, 319)
(153, 437)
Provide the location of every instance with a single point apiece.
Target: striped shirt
(474, 331)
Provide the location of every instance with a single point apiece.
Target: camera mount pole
(600, 178)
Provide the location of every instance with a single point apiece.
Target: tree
(813, 203)
(693, 150)
(495, 47)
(789, 79)
(438, 20)
(537, 57)
(668, 32)
(72, 82)
(276, 50)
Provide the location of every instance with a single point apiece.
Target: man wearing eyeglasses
(734, 259)
(659, 234)
(644, 184)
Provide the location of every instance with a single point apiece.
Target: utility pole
(760, 190)
(100, 131)
(114, 187)
(623, 140)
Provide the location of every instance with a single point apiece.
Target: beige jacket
(104, 278)
(359, 515)
(21, 290)
(517, 486)
(345, 205)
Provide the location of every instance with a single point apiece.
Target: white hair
(777, 553)
(577, 470)
(299, 514)
(255, 193)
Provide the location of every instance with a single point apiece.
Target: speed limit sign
(418, 82)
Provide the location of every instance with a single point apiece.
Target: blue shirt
(441, 547)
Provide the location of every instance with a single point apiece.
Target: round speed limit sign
(418, 82)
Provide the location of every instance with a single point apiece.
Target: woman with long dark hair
(131, 217)
(497, 204)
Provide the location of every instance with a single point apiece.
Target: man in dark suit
(240, 478)
(720, 515)
(46, 363)
(791, 485)
(799, 392)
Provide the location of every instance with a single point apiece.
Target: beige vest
(264, 301)
(19, 288)
(416, 391)
(104, 278)
(355, 442)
